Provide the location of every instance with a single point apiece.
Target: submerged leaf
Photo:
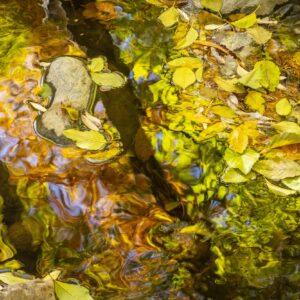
(246, 21)
(184, 77)
(283, 107)
(89, 140)
(169, 17)
(277, 168)
(265, 74)
(67, 291)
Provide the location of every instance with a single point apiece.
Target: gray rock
(265, 6)
(73, 88)
(34, 290)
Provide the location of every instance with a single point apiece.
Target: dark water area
(151, 216)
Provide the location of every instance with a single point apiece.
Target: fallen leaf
(11, 279)
(37, 106)
(246, 21)
(286, 126)
(284, 139)
(97, 64)
(188, 40)
(238, 139)
(229, 85)
(109, 80)
(255, 101)
(188, 62)
(184, 77)
(277, 190)
(67, 291)
(233, 176)
(292, 183)
(215, 5)
(277, 168)
(223, 111)
(259, 34)
(169, 17)
(283, 107)
(89, 140)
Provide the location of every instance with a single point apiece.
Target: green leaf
(184, 77)
(277, 190)
(214, 5)
(198, 228)
(283, 107)
(284, 139)
(229, 85)
(188, 39)
(292, 183)
(97, 64)
(259, 34)
(286, 126)
(169, 17)
(233, 176)
(66, 291)
(246, 21)
(243, 162)
(109, 80)
(46, 91)
(11, 279)
(277, 168)
(255, 101)
(188, 62)
(89, 140)
(265, 74)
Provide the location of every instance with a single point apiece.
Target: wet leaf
(188, 39)
(260, 34)
(66, 291)
(292, 183)
(11, 279)
(188, 62)
(277, 168)
(246, 21)
(89, 140)
(97, 64)
(229, 85)
(244, 162)
(265, 74)
(255, 101)
(184, 77)
(169, 17)
(277, 190)
(215, 5)
(283, 107)
(233, 176)
(109, 80)
(238, 139)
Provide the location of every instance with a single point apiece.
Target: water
(117, 228)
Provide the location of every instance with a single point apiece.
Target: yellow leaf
(223, 111)
(238, 139)
(277, 190)
(169, 17)
(97, 64)
(259, 34)
(89, 140)
(246, 21)
(229, 85)
(283, 107)
(199, 74)
(109, 80)
(188, 40)
(184, 77)
(11, 279)
(188, 62)
(67, 291)
(212, 130)
(215, 5)
(255, 101)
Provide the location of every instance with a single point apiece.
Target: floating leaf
(169, 17)
(233, 176)
(11, 279)
(255, 101)
(246, 21)
(277, 190)
(244, 162)
(277, 168)
(184, 77)
(238, 139)
(223, 111)
(188, 62)
(229, 85)
(109, 80)
(188, 39)
(66, 291)
(284, 139)
(97, 64)
(292, 183)
(259, 34)
(215, 5)
(89, 140)
(283, 107)
(265, 74)
(286, 126)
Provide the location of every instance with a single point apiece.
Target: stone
(33, 290)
